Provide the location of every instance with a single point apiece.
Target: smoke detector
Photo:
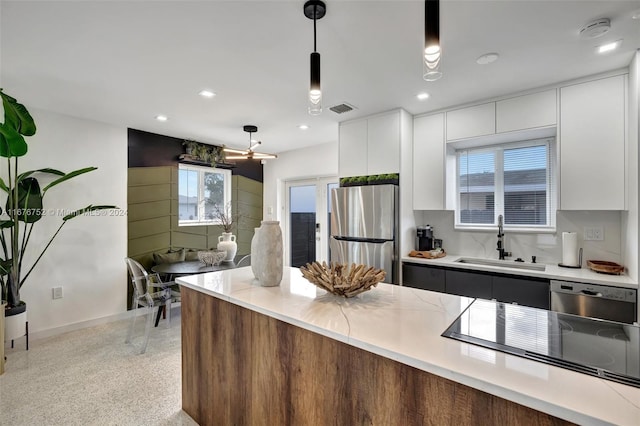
(595, 28)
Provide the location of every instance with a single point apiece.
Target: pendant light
(248, 154)
(432, 50)
(315, 9)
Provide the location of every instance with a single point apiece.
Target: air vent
(341, 108)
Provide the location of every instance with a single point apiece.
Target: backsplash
(546, 247)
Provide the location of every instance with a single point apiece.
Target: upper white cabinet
(370, 146)
(352, 156)
(428, 162)
(526, 112)
(471, 122)
(592, 145)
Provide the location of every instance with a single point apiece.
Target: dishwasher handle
(591, 293)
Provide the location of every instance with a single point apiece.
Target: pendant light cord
(314, 27)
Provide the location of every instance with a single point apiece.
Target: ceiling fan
(248, 153)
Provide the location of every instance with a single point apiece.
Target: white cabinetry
(383, 153)
(526, 112)
(370, 146)
(471, 122)
(352, 148)
(592, 145)
(428, 162)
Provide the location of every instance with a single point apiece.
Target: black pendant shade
(432, 50)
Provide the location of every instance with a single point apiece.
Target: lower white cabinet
(428, 162)
(592, 145)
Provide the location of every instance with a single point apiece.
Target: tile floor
(91, 377)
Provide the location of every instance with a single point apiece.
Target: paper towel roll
(570, 249)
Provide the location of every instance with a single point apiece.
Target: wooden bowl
(605, 267)
(342, 279)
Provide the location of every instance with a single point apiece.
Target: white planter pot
(15, 326)
(227, 242)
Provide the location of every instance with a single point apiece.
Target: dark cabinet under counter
(417, 276)
(526, 291)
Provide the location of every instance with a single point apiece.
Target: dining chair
(143, 296)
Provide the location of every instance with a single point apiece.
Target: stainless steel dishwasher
(594, 300)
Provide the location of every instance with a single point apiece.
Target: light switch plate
(56, 292)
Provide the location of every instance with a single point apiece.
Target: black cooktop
(606, 349)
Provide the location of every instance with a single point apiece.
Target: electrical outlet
(56, 292)
(595, 233)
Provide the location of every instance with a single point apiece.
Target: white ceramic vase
(255, 259)
(227, 242)
(268, 254)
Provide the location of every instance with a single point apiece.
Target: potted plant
(227, 219)
(23, 209)
(384, 179)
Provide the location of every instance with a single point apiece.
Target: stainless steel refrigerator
(364, 227)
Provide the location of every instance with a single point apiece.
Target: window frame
(201, 170)
(550, 178)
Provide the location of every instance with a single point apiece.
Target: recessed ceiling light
(303, 127)
(422, 96)
(206, 93)
(162, 117)
(608, 47)
(487, 58)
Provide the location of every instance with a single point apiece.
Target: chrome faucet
(501, 251)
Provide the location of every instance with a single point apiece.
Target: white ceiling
(124, 62)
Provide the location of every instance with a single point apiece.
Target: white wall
(315, 161)
(546, 247)
(630, 217)
(87, 257)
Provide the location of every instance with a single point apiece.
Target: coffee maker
(424, 238)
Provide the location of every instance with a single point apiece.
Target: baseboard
(43, 334)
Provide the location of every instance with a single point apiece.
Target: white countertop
(553, 272)
(405, 324)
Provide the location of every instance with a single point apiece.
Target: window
(200, 189)
(514, 180)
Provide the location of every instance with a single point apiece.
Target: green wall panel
(149, 243)
(145, 193)
(142, 228)
(148, 210)
(149, 175)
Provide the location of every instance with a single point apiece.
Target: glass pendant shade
(315, 93)
(432, 50)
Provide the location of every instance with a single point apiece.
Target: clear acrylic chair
(144, 296)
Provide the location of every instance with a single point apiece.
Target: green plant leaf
(5, 266)
(29, 201)
(4, 186)
(6, 224)
(12, 143)
(89, 208)
(21, 176)
(68, 176)
(17, 116)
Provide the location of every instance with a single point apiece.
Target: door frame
(321, 182)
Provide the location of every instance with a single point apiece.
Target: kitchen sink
(501, 263)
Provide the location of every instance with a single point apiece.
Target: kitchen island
(294, 354)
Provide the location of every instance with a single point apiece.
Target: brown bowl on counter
(605, 267)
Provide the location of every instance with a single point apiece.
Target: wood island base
(240, 367)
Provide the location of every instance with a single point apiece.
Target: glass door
(308, 210)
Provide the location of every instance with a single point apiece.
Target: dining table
(193, 267)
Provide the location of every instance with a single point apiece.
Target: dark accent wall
(153, 150)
